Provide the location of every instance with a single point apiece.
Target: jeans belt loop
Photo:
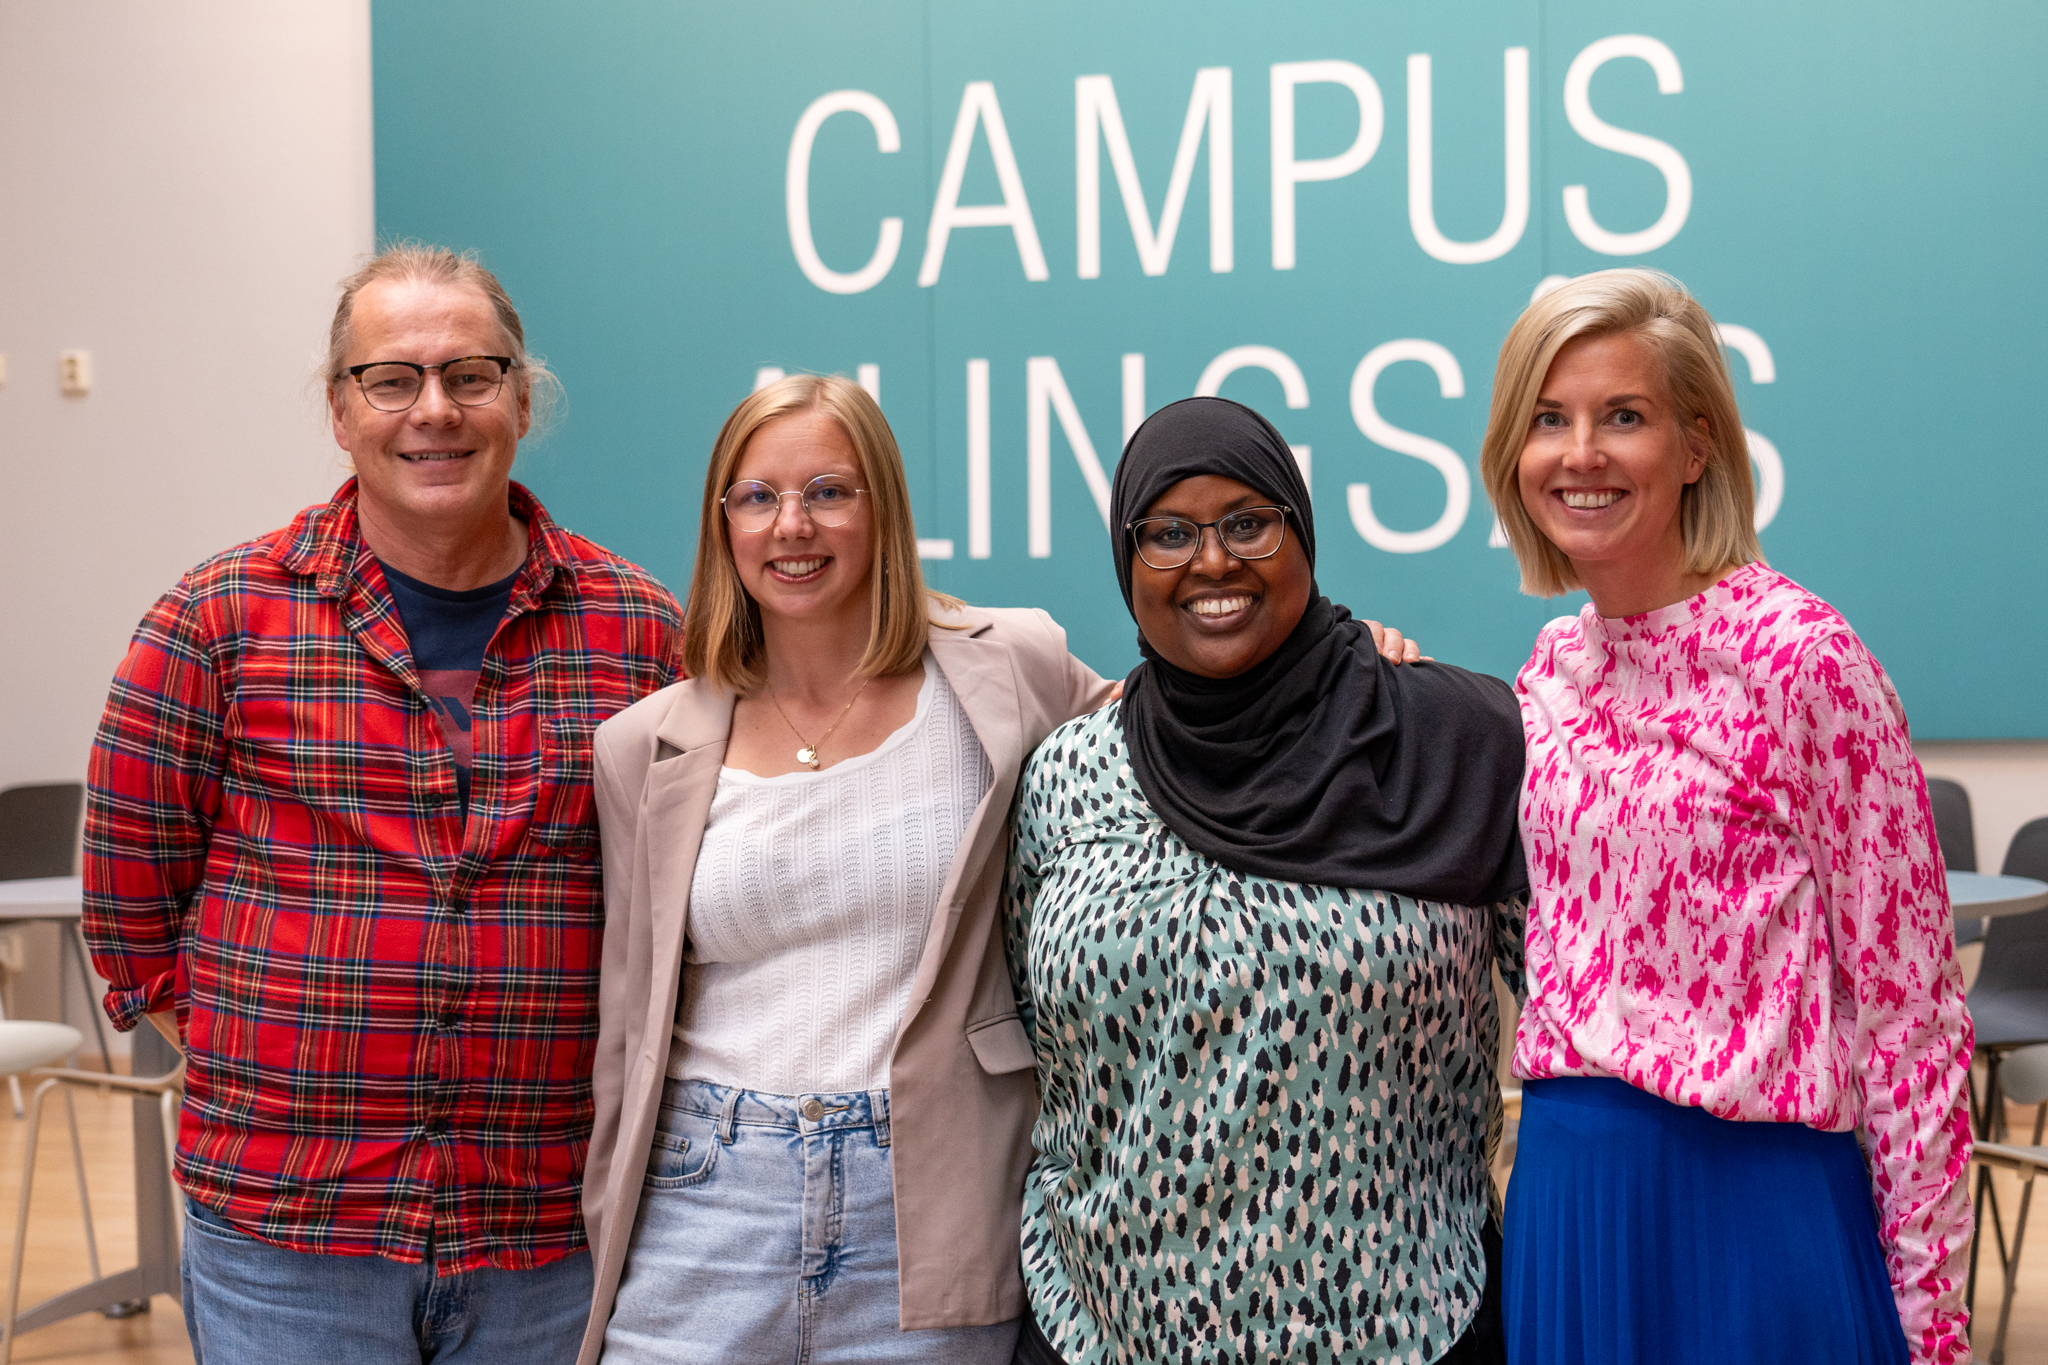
(878, 1111)
(727, 1125)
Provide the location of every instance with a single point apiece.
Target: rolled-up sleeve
(154, 789)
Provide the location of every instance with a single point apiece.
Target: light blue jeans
(250, 1303)
(767, 1236)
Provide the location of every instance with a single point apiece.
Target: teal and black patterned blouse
(1266, 1106)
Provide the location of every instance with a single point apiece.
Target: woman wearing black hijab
(1252, 913)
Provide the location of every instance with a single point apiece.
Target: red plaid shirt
(391, 1009)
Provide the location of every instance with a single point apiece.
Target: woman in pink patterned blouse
(1744, 1049)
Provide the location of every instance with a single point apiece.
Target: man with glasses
(341, 821)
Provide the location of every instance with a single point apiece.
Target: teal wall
(1868, 198)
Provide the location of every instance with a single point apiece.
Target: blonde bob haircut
(1717, 512)
(722, 640)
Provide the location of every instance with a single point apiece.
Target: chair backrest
(2027, 854)
(2011, 990)
(39, 829)
(1952, 824)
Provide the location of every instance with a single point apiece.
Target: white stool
(26, 1044)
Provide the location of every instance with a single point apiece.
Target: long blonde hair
(722, 639)
(1717, 512)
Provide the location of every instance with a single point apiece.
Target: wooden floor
(56, 1246)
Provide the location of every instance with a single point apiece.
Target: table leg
(158, 1212)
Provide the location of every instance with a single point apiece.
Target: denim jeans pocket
(197, 1215)
(685, 1151)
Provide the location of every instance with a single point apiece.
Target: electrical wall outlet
(74, 373)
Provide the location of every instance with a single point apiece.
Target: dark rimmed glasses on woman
(395, 385)
(1247, 533)
(829, 500)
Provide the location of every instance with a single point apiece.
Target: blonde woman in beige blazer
(813, 643)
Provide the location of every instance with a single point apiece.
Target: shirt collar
(326, 543)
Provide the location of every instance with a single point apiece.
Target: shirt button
(813, 1110)
(447, 1020)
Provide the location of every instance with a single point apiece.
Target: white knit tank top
(810, 902)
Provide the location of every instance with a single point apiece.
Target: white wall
(181, 186)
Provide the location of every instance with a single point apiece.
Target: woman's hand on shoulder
(1395, 647)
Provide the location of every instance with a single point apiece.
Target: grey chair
(2009, 1005)
(39, 829)
(2009, 1001)
(1957, 834)
(1952, 823)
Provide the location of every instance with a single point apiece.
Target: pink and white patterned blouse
(1737, 901)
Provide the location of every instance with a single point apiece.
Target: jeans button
(813, 1110)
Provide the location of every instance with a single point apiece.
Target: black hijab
(1323, 764)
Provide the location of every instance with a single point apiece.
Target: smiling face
(436, 462)
(1604, 467)
(796, 569)
(1217, 615)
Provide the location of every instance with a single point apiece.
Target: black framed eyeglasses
(1247, 533)
(829, 500)
(395, 385)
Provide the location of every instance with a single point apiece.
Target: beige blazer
(962, 1083)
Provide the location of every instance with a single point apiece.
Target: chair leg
(1987, 1128)
(2012, 1270)
(92, 1245)
(13, 1082)
(1980, 1110)
(28, 1181)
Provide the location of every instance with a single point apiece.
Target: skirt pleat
(1641, 1232)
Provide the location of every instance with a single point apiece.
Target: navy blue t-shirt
(449, 632)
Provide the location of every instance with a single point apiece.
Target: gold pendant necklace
(808, 754)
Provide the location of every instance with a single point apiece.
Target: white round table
(1981, 895)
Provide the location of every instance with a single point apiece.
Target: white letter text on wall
(1097, 120)
(1457, 479)
(978, 105)
(797, 192)
(1047, 393)
(1288, 172)
(1578, 107)
(1514, 216)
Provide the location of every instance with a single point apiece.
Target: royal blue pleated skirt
(1641, 1232)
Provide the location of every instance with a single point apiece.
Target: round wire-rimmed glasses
(1247, 533)
(472, 381)
(829, 500)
